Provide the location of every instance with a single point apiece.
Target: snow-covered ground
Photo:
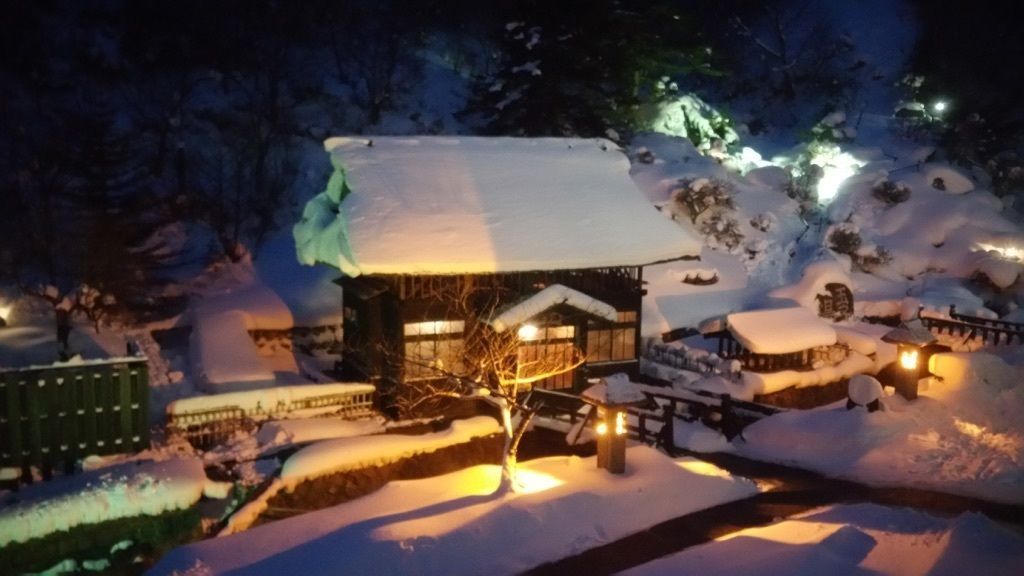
(855, 539)
(119, 491)
(453, 524)
(963, 435)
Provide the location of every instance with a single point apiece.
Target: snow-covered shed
(410, 220)
(774, 339)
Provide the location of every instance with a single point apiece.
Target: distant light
(939, 106)
(528, 332)
(5, 310)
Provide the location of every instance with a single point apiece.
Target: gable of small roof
(780, 331)
(549, 297)
(468, 205)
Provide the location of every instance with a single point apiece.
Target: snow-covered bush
(695, 197)
(912, 116)
(1007, 172)
(833, 128)
(891, 192)
(690, 117)
(763, 222)
(846, 239)
(803, 185)
(721, 230)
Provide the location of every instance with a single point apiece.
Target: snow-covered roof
(547, 298)
(780, 331)
(445, 205)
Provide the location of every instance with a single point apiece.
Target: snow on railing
(213, 418)
(692, 359)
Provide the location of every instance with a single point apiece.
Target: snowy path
(790, 491)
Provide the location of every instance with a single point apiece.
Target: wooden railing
(987, 330)
(210, 426)
(52, 416)
(655, 422)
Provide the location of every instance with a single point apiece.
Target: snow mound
(225, 357)
(616, 389)
(121, 491)
(342, 454)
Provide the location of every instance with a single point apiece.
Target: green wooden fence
(53, 416)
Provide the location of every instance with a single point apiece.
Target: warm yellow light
(620, 423)
(602, 428)
(528, 332)
(908, 359)
(701, 467)
(5, 309)
(531, 481)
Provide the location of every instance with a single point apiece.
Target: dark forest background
(141, 138)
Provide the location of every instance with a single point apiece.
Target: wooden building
(550, 232)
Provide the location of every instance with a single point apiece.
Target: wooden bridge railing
(989, 332)
(666, 404)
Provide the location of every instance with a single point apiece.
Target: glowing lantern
(908, 359)
(611, 438)
(909, 337)
(939, 106)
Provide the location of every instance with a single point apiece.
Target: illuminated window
(435, 327)
(550, 333)
(433, 347)
(613, 343)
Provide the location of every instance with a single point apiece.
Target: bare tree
(494, 364)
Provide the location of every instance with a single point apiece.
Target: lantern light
(940, 106)
(908, 359)
(602, 428)
(528, 332)
(5, 310)
(620, 423)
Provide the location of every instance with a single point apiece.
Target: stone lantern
(909, 337)
(611, 396)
